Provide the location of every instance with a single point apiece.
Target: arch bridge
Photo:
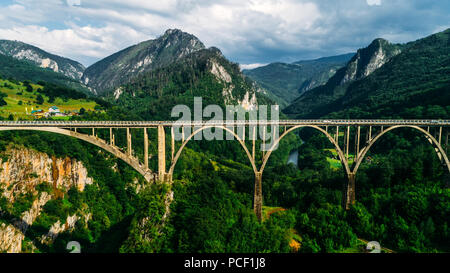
(364, 132)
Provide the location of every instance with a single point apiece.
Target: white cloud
(374, 2)
(251, 66)
(79, 43)
(248, 31)
(74, 2)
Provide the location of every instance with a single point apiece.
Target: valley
(89, 196)
(286, 82)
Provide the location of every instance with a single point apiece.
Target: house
(38, 113)
(53, 109)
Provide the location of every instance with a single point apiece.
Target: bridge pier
(349, 191)
(258, 198)
(145, 148)
(162, 154)
(129, 152)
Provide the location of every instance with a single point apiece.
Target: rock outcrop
(369, 59)
(41, 58)
(21, 171)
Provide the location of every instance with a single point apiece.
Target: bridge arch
(431, 139)
(134, 163)
(330, 138)
(180, 150)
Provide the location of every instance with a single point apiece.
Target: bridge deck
(146, 124)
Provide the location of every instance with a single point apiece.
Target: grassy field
(17, 93)
(336, 163)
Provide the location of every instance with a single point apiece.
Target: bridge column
(128, 142)
(357, 144)
(254, 143)
(161, 153)
(337, 135)
(258, 198)
(349, 191)
(172, 144)
(348, 140)
(145, 149)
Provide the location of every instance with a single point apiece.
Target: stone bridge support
(349, 195)
(258, 196)
(162, 154)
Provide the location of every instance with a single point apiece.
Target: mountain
(41, 58)
(286, 82)
(386, 80)
(362, 64)
(119, 68)
(23, 70)
(369, 59)
(205, 73)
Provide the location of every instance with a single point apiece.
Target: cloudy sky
(249, 32)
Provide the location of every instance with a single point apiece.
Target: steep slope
(39, 178)
(120, 67)
(286, 82)
(363, 64)
(369, 59)
(412, 84)
(41, 58)
(25, 71)
(205, 73)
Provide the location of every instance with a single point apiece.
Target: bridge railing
(142, 124)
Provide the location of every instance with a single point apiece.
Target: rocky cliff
(366, 61)
(385, 80)
(205, 73)
(22, 170)
(369, 59)
(41, 58)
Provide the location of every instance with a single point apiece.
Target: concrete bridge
(365, 132)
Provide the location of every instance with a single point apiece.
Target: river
(293, 157)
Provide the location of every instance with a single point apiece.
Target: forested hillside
(206, 74)
(23, 70)
(413, 84)
(286, 82)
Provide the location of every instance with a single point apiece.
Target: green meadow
(19, 101)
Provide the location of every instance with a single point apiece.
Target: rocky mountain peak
(369, 59)
(129, 63)
(173, 31)
(176, 35)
